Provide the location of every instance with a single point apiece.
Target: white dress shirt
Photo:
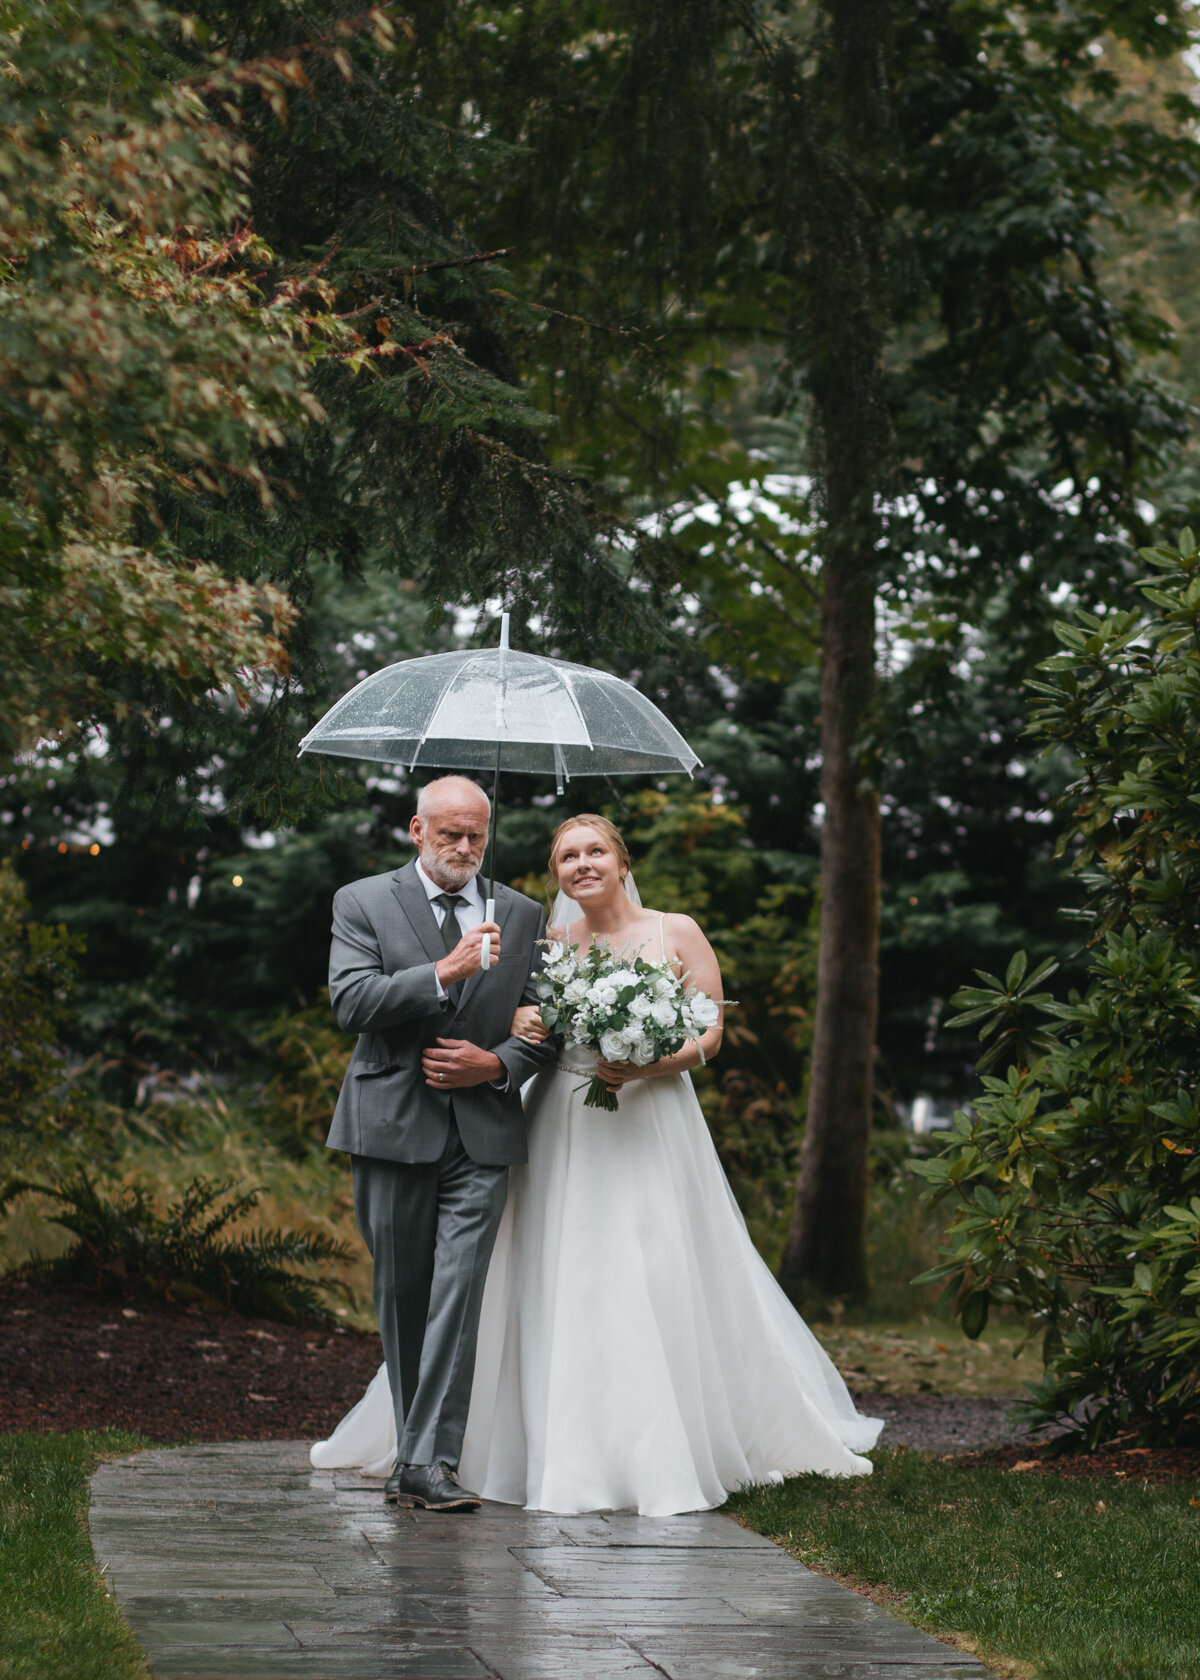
(469, 914)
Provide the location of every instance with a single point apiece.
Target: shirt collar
(470, 892)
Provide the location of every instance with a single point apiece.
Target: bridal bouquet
(624, 1008)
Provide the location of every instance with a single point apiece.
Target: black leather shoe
(432, 1487)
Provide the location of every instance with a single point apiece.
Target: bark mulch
(71, 1361)
(1132, 1464)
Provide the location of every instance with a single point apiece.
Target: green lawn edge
(57, 1621)
(1062, 1579)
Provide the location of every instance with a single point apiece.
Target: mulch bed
(71, 1361)
(1125, 1464)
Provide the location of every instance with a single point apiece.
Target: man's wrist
(499, 1071)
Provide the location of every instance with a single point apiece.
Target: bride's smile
(589, 870)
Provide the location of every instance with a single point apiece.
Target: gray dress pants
(430, 1227)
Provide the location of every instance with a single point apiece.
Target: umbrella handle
(485, 951)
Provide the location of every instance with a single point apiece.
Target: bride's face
(589, 871)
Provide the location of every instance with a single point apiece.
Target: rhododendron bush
(1076, 1175)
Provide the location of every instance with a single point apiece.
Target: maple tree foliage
(145, 370)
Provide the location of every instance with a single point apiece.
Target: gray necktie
(451, 926)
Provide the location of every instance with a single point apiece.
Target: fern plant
(124, 1247)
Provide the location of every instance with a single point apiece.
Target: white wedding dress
(634, 1350)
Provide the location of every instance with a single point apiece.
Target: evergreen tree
(436, 468)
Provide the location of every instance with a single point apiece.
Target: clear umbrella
(498, 708)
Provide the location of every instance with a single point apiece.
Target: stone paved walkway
(238, 1562)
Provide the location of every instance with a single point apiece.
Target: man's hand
(463, 961)
(456, 1063)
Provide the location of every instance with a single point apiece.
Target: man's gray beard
(453, 877)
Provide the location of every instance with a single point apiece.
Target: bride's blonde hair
(589, 819)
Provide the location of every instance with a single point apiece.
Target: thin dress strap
(662, 938)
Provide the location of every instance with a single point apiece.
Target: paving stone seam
(647, 1658)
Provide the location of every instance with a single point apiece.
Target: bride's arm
(527, 1023)
(698, 962)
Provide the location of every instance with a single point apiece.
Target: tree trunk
(844, 316)
(826, 1243)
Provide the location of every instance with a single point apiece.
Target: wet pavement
(234, 1562)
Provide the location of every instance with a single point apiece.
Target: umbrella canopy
(455, 711)
(496, 708)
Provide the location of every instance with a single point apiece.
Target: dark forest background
(593, 227)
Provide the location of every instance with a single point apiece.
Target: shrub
(37, 985)
(1077, 1174)
(125, 1248)
(310, 1054)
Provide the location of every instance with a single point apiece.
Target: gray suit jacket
(382, 984)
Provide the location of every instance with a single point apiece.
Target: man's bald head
(451, 790)
(450, 830)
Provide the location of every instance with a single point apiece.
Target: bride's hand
(527, 1023)
(616, 1074)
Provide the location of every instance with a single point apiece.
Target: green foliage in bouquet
(1077, 1173)
(125, 1248)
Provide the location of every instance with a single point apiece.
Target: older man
(430, 1112)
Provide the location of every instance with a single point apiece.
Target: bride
(634, 1350)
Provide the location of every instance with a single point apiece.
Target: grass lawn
(56, 1621)
(1072, 1580)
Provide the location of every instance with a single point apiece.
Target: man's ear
(415, 831)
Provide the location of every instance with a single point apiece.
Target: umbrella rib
(436, 708)
(568, 682)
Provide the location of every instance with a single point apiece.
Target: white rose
(642, 1052)
(664, 986)
(622, 977)
(575, 990)
(641, 1006)
(614, 1046)
(703, 1011)
(664, 1011)
(602, 994)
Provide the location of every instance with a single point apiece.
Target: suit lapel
(504, 903)
(416, 906)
